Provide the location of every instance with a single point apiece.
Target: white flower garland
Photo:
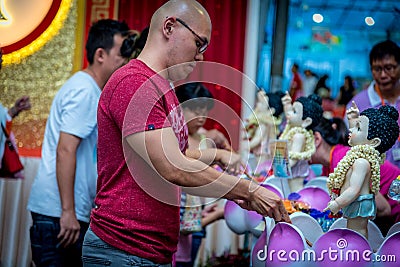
(254, 121)
(337, 178)
(309, 148)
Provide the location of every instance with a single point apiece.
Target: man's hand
(69, 228)
(229, 160)
(219, 140)
(266, 203)
(22, 103)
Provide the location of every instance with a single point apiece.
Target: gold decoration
(309, 148)
(337, 178)
(40, 76)
(46, 36)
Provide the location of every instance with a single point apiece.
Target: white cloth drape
(15, 219)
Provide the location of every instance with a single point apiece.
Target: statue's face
(358, 134)
(294, 116)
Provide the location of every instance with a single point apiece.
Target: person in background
(195, 101)
(321, 88)
(309, 82)
(324, 91)
(384, 59)
(143, 158)
(21, 104)
(331, 137)
(6, 115)
(347, 91)
(64, 188)
(296, 85)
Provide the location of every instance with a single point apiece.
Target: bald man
(143, 159)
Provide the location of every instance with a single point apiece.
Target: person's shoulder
(387, 166)
(134, 71)
(361, 99)
(341, 148)
(136, 66)
(78, 83)
(362, 94)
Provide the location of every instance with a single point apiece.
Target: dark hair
(312, 109)
(134, 43)
(142, 38)
(383, 124)
(322, 82)
(194, 95)
(101, 35)
(383, 49)
(275, 101)
(334, 131)
(351, 85)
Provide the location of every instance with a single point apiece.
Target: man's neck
(391, 95)
(92, 72)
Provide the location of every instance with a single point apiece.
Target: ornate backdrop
(56, 49)
(38, 65)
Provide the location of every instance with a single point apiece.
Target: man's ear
(99, 55)
(168, 27)
(375, 142)
(307, 122)
(272, 110)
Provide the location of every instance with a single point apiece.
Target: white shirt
(73, 111)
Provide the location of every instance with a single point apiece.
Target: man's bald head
(179, 33)
(188, 10)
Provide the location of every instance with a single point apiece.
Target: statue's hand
(333, 206)
(286, 99)
(353, 112)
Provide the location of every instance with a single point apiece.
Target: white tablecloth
(15, 219)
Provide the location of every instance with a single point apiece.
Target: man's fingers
(64, 238)
(76, 237)
(276, 215)
(61, 233)
(284, 213)
(68, 239)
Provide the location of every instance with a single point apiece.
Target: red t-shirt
(136, 210)
(389, 172)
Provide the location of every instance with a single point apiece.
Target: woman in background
(347, 91)
(196, 101)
